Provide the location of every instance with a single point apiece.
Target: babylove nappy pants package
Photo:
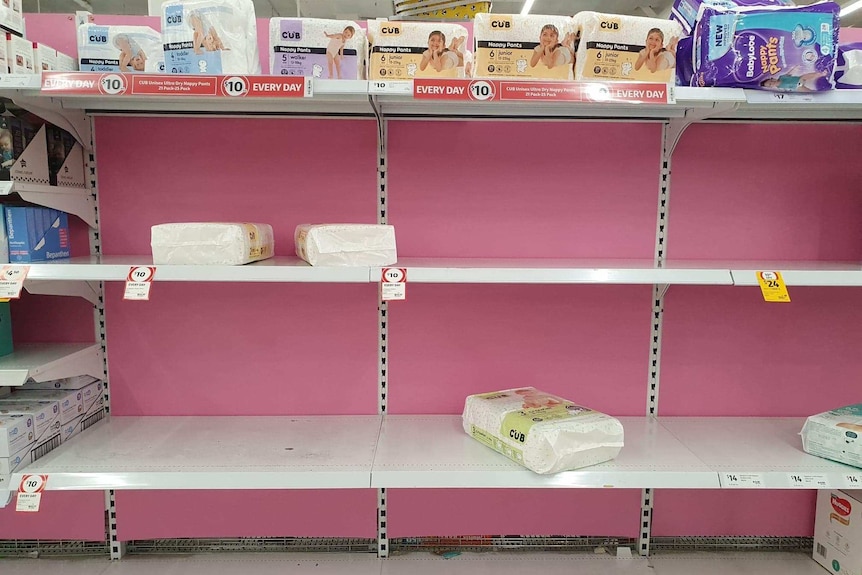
(320, 48)
(407, 50)
(210, 37)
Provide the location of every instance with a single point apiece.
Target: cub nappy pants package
(320, 48)
(210, 37)
(127, 49)
(532, 46)
(407, 50)
(542, 432)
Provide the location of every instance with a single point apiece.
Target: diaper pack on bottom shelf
(346, 244)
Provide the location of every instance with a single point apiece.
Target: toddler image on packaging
(654, 55)
(790, 82)
(438, 56)
(205, 36)
(550, 51)
(131, 53)
(335, 49)
(7, 152)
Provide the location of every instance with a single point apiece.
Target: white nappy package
(210, 243)
(346, 244)
(316, 47)
(12, 16)
(407, 50)
(531, 46)
(542, 432)
(210, 37)
(44, 58)
(66, 63)
(835, 435)
(131, 49)
(629, 48)
(19, 55)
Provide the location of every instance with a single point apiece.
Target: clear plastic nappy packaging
(406, 50)
(210, 37)
(211, 243)
(346, 244)
(543, 432)
(316, 47)
(129, 49)
(783, 49)
(530, 46)
(848, 68)
(628, 48)
(835, 435)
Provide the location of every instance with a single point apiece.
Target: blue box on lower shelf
(36, 234)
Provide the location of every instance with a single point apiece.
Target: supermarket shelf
(652, 457)
(87, 290)
(77, 201)
(116, 268)
(23, 82)
(215, 453)
(538, 271)
(764, 450)
(739, 563)
(800, 273)
(47, 361)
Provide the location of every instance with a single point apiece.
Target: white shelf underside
(49, 361)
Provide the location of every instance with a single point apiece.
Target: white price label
(393, 284)
(235, 86)
(30, 493)
(404, 87)
(138, 282)
(12, 281)
(743, 480)
(482, 90)
(853, 480)
(765, 97)
(807, 481)
(113, 84)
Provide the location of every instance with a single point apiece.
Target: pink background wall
(462, 189)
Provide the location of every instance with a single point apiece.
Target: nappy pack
(531, 46)
(835, 435)
(128, 49)
(210, 37)
(210, 243)
(848, 68)
(320, 48)
(406, 50)
(346, 244)
(542, 432)
(628, 48)
(685, 11)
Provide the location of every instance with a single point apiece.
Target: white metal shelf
(30, 83)
(47, 361)
(538, 270)
(738, 563)
(434, 451)
(800, 273)
(116, 268)
(764, 450)
(215, 453)
(76, 201)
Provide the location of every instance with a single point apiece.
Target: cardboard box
(17, 461)
(44, 58)
(6, 346)
(838, 531)
(46, 415)
(36, 234)
(12, 16)
(93, 401)
(70, 401)
(19, 54)
(16, 434)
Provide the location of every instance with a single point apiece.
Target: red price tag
(30, 493)
(393, 284)
(138, 282)
(12, 281)
(540, 91)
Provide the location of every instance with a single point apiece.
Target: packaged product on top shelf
(838, 531)
(407, 50)
(542, 432)
(685, 11)
(19, 55)
(532, 46)
(848, 68)
(684, 61)
(346, 244)
(627, 48)
(36, 234)
(210, 37)
(66, 63)
(6, 344)
(12, 16)
(211, 243)
(130, 49)
(835, 435)
(320, 48)
(784, 49)
(44, 58)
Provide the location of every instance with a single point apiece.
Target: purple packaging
(320, 48)
(685, 11)
(789, 49)
(684, 61)
(848, 71)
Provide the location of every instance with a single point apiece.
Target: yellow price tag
(772, 286)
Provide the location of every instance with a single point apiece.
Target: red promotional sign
(114, 84)
(519, 90)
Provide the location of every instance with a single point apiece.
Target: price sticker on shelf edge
(742, 480)
(807, 481)
(30, 493)
(853, 480)
(266, 87)
(138, 282)
(402, 87)
(393, 285)
(113, 84)
(772, 287)
(12, 281)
